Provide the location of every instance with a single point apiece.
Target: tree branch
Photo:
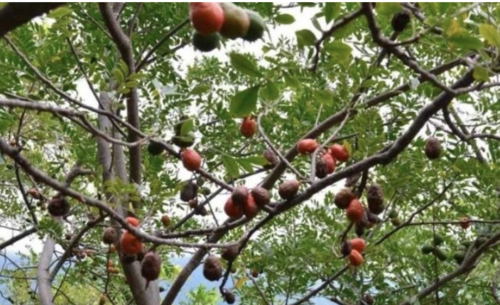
(124, 45)
(73, 243)
(14, 15)
(145, 61)
(337, 25)
(17, 238)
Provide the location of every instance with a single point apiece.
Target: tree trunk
(132, 271)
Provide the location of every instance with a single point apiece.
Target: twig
(17, 238)
(465, 132)
(417, 212)
(69, 112)
(337, 25)
(132, 21)
(330, 139)
(467, 265)
(362, 185)
(166, 37)
(323, 285)
(398, 52)
(276, 151)
(263, 296)
(99, 26)
(73, 243)
(40, 176)
(89, 83)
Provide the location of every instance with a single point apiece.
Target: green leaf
(241, 282)
(186, 127)
(307, 4)
(292, 82)
(124, 90)
(136, 76)
(200, 89)
(123, 66)
(247, 166)
(331, 11)
(243, 65)
(131, 84)
(463, 39)
(6, 121)
(257, 160)
(324, 96)
(305, 38)
(60, 12)
(285, 19)
(316, 24)
(270, 92)
(451, 26)
(339, 51)
(231, 166)
(244, 102)
(388, 8)
(481, 74)
(490, 33)
(118, 75)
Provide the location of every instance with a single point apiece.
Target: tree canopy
(290, 151)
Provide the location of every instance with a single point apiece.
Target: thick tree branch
(124, 45)
(43, 275)
(61, 187)
(110, 160)
(339, 116)
(397, 51)
(382, 157)
(14, 15)
(69, 113)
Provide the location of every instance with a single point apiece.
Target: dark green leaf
(187, 126)
(231, 166)
(201, 89)
(481, 74)
(490, 33)
(339, 51)
(244, 102)
(292, 82)
(324, 96)
(285, 19)
(465, 40)
(331, 11)
(270, 92)
(388, 8)
(243, 65)
(305, 38)
(60, 12)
